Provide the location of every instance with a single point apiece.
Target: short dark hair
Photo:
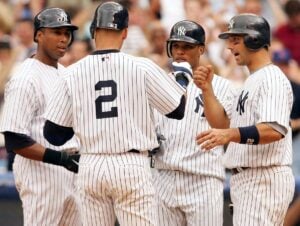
(292, 7)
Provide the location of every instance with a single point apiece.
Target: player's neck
(259, 60)
(46, 60)
(104, 41)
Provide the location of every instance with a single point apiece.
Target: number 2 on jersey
(106, 98)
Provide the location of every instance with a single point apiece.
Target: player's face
(235, 44)
(55, 41)
(184, 51)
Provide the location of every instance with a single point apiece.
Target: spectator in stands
(157, 36)
(79, 49)
(23, 38)
(289, 32)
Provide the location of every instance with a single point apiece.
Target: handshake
(183, 73)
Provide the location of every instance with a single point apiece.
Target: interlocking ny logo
(241, 103)
(199, 102)
(62, 17)
(181, 31)
(231, 24)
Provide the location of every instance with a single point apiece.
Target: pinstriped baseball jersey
(115, 93)
(26, 97)
(265, 97)
(180, 149)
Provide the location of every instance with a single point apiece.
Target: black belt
(238, 170)
(134, 151)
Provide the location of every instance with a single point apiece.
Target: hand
(70, 161)
(203, 77)
(212, 138)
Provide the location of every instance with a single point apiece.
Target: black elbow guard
(57, 135)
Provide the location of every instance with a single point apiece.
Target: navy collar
(105, 51)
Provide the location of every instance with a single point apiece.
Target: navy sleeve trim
(178, 113)
(16, 141)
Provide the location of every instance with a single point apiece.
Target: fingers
(207, 140)
(203, 76)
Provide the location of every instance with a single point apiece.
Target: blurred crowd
(149, 26)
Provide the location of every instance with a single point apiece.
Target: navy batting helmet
(255, 29)
(109, 15)
(53, 18)
(186, 31)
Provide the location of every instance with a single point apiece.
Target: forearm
(250, 135)
(214, 111)
(34, 152)
(267, 134)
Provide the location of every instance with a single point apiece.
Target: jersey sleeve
(163, 91)
(275, 102)
(20, 105)
(59, 109)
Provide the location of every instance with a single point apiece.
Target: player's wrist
(249, 135)
(53, 157)
(62, 158)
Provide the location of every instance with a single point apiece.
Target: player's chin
(61, 51)
(60, 54)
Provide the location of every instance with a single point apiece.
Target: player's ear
(124, 33)
(38, 35)
(201, 49)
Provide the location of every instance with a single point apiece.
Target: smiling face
(184, 51)
(53, 43)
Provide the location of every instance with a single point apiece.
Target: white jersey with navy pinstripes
(26, 97)
(265, 97)
(108, 99)
(180, 151)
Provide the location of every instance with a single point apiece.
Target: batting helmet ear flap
(254, 28)
(109, 15)
(169, 49)
(92, 28)
(253, 42)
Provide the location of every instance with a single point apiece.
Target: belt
(134, 151)
(238, 170)
(152, 160)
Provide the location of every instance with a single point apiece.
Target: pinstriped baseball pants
(261, 196)
(188, 199)
(116, 185)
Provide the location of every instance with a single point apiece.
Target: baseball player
(259, 149)
(189, 182)
(107, 99)
(46, 190)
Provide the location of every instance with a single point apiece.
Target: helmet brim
(69, 26)
(184, 39)
(227, 34)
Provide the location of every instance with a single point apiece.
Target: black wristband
(249, 135)
(52, 157)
